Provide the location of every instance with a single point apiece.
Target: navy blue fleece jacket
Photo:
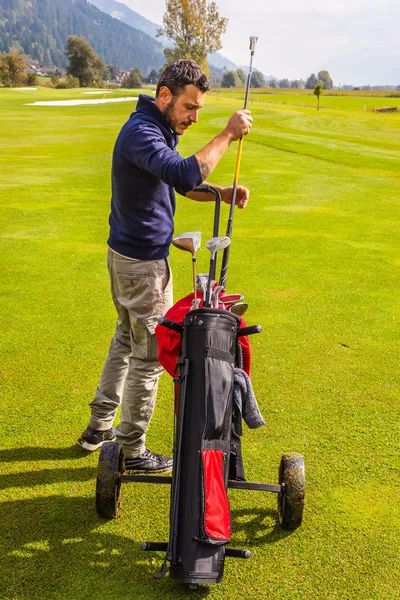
(146, 171)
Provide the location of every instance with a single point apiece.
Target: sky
(357, 41)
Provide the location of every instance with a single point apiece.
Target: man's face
(183, 110)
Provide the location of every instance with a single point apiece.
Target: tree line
(238, 78)
(40, 29)
(85, 69)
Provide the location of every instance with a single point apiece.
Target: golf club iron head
(239, 309)
(215, 295)
(202, 285)
(201, 281)
(214, 245)
(231, 298)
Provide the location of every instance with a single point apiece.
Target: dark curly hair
(180, 73)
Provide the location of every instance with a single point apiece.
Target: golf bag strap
(210, 352)
(216, 445)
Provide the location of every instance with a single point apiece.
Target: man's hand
(242, 196)
(239, 124)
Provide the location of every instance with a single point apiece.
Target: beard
(172, 121)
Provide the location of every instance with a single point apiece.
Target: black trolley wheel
(291, 498)
(108, 482)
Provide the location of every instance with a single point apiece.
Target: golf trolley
(203, 344)
(211, 342)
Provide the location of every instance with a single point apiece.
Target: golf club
(239, 309)
(190, 241)
(202, 284)
(214, 245)
(216, 292)
(231, 299)
(225, 259)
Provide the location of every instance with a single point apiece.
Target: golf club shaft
(194, 281)
(208, 293)
(225, 258)
(217, 214)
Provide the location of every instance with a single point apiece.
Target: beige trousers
(142, 292)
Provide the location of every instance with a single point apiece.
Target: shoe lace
(158, 457)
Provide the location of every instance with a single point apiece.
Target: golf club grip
(170, 324)
(225, 256)
(249, 330)
(224, 267)
(217, 212)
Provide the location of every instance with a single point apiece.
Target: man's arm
(238, 126)
(242, 195)
(146, 148)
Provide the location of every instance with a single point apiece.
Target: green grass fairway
(316, 253)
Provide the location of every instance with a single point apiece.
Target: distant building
(36, 69)
(120, 75)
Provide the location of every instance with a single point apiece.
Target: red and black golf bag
(204, 449)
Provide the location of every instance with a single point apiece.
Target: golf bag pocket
(219, 378)
(215, 521)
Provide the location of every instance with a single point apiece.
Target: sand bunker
(78, 102)
(25, 89)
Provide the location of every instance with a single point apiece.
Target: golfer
(146, 172)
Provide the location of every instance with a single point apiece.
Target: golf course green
(316, 254)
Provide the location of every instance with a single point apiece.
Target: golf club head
(202, 281)
(231, 298)
(190, 241)
(216, 244)
(216, 292)
(239, 309)
(253, 42)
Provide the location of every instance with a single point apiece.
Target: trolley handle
(205, 187)
(170, 324)
(249, 330)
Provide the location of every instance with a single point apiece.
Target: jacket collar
(146, 106)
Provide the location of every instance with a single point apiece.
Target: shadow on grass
(256, 526)
(57, 547)
(35, 453)
(30, 479)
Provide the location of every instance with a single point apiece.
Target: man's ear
(164, 95)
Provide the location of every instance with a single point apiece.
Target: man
(146, 171)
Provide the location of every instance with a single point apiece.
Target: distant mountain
(123, 13)
(40, 28)
(221, 62)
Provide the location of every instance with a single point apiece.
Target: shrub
(30, 79)
(65, 82)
